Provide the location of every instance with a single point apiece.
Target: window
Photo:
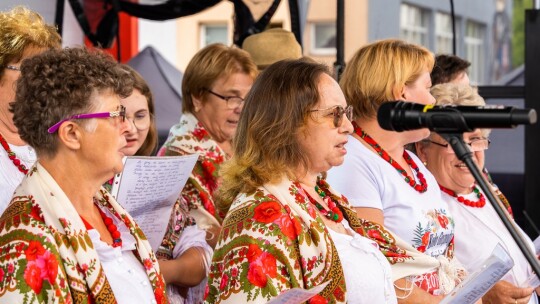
(214, 33)
(323, 38)
(413, 24)
(474, 51)
(443, 33)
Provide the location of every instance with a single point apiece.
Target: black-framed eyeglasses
(121, 112)
(337, 112)
(478, 144)
(13, 68)
(232, 101)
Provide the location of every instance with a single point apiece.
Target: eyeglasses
(13, 68)
(120, 113)
(141, 121)
(232, 101)
(337, 112)
(479, 144)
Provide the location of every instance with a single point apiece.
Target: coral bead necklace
(17, 162)
(334, 214)
(111, 227)
(478, 204)
(421, 186)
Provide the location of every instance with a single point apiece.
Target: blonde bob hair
(379, 71)
(266, 143)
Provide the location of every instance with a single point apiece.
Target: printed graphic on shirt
(433, 236)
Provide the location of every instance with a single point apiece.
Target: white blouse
(368, 276)
(10, 176)
(125, 273)
(478, 230)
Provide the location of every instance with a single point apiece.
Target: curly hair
(60, 83)
(447, 67)
(266, 143)
(209, 64)
(21, 29)
(378, 72)
(151, 141)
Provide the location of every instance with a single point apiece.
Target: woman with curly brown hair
(63, 237)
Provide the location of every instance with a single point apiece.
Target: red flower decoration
(288, 227)
(267, 212)
(253, 252)
(49, 266)
(443, 220)
(318, 299)
(200, 133)
(375, 234)
(224, 281)
(34, 250)
(148, 264)
(261, 267)
(32, 277)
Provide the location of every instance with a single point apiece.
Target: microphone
(402, 116)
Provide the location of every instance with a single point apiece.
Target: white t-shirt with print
(421, 219)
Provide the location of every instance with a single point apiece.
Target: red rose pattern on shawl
(204, 180)
(34, 264)
(265, 248)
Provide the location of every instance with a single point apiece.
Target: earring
(425, 164)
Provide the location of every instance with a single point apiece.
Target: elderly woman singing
(285, 226)
(214, 86)
(63, 238)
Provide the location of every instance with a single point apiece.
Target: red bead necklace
(420, 187)
(113, 230)
(334, 214)
(478, 204)
(17, 162)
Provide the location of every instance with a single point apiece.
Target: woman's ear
(399, 93)
(421, 151)
(197, 102)
(69, 134)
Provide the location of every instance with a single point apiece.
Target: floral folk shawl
(190, 137)
(274, 239)
(46, 255)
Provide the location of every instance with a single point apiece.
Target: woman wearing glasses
(478, 228)
(63, 236)
(285, 227)
(215, 83)
(23, 34)
(184, 256)
(388, 184)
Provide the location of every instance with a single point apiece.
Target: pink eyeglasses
(120, 113)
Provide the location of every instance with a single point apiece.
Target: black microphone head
(400, 116)
(386, 113)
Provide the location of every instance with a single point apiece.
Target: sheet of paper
(480, 281)
(148, 188)
(298, 295)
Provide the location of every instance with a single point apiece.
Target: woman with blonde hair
(23, 34)
(389, 185)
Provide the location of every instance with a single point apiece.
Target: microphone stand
(465, 155)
